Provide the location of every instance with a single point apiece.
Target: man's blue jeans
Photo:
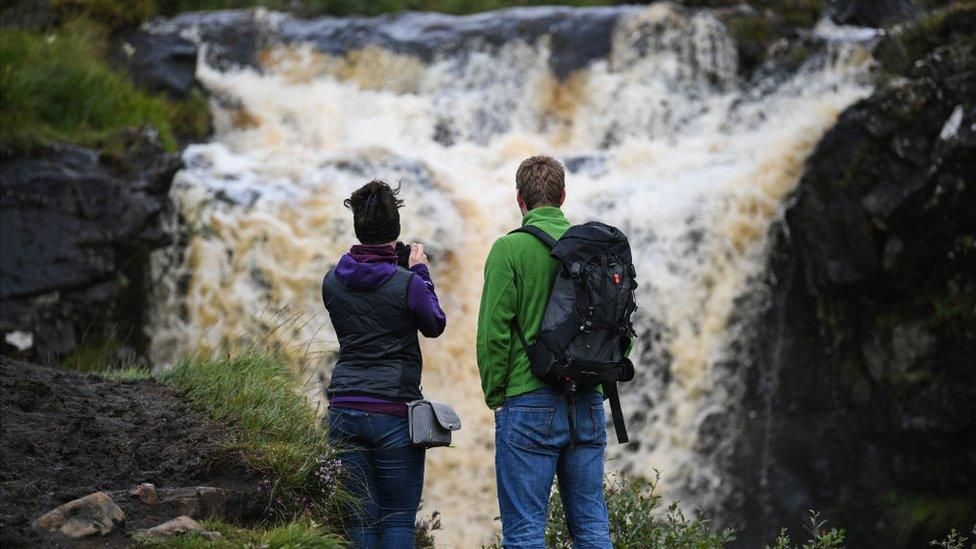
(385, 473)
(532, 447)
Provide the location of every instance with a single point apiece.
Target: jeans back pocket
(529, 428)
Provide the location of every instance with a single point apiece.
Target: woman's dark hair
(375, 212)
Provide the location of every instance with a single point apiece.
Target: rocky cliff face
(860, 399)
(77, 231)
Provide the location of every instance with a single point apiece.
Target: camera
(403, 254)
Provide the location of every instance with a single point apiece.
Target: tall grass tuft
(278, 431)
(301, 534)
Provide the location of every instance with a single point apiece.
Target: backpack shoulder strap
(543, 236)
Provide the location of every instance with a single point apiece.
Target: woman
(376, 308)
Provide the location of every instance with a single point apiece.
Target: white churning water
(661, 137)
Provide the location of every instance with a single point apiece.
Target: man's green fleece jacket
(518, 278)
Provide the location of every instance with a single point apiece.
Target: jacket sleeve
(498, 306)
(422, 300)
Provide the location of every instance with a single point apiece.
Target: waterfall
(661, 136)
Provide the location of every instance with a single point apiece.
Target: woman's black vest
(379, 354)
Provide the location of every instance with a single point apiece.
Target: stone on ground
(146, 493)
(179, 526)
(94, 513)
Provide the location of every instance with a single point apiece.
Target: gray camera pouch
(431, 423)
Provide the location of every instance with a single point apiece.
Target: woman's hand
(417, 255)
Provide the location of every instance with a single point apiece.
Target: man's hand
(417, 255)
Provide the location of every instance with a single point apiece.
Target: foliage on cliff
(57, 87)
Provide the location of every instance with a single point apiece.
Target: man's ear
(562, 197)
(521, 203)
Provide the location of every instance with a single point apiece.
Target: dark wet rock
(578, 36)
(164, 64)
(77, 230)
(872, 13)
(233, 37)
(862, 388)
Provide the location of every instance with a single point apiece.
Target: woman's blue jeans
(532, 447)
(384, 471)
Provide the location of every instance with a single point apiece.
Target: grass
(106, 358)
(256, 393)
(279, 433)
(56, 87)
(300, 534)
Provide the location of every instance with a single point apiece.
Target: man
(532, 438)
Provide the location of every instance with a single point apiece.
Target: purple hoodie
(366, 267)
(369, 266)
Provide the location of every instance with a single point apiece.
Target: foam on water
(665, 142)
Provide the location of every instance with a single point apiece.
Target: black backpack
(586, 326)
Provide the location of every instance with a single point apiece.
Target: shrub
(638, 519)
(820, 537)
(279, 433)
(955, 540)
(112, 13)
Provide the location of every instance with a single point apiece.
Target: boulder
(179, 526)
(93, 514)
(159, 63)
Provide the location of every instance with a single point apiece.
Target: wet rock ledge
(77, 231)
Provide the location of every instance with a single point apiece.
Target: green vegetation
(638, 519)
(820, 537)
(107, 359)
(930, 513)
(769, 21)
(955, 540)
(275, 428)
(300, 534)
(56, 87)
(949, 26)
(111, 13)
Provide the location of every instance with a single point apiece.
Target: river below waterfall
(661, 135)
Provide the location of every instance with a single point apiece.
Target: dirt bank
(64, 435)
